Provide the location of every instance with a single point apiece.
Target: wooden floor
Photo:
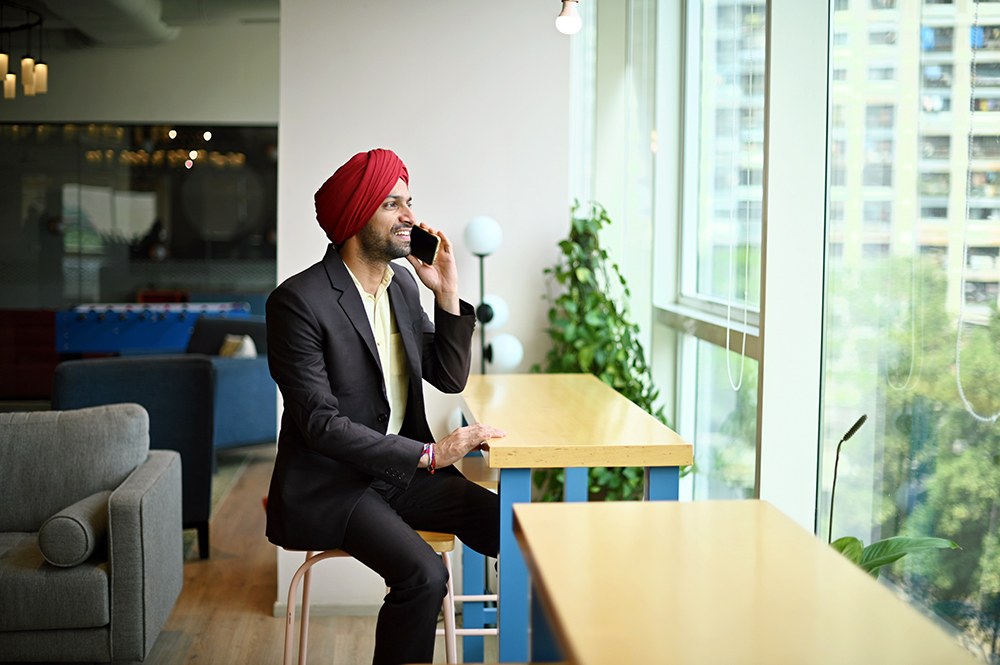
(224, 613)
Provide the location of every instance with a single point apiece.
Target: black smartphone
(424, 245)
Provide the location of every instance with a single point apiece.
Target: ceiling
(83, 23)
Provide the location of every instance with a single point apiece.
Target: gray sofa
(91, 553)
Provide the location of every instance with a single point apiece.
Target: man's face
(386, 236)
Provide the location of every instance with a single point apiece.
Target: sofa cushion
(38, 596)
(72, 535)
(52, 459)
(238, 346)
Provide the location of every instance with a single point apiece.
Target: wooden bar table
(713, 582)
(571, 421)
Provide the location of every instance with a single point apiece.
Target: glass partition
(912, 332)
(104, 213)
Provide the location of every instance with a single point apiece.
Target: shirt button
(382, 417)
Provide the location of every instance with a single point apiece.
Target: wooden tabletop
(712, 582)
(559, 420)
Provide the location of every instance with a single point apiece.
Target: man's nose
(407, 212)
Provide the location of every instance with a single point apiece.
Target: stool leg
(304, 621)
(450, 643)
(290, 612)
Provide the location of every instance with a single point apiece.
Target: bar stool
(442, 543)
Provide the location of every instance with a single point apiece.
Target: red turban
(352, 195)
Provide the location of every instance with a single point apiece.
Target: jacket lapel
(350, 300)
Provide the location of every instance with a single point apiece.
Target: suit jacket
(333, 441)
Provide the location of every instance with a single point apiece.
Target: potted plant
(875, 556)
(591, 332)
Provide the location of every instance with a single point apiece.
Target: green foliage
(886, 551)
(590, 331)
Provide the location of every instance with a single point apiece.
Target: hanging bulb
(569, 22)
(41, 78)
(10, 86)
(28, 72)
(4, 64)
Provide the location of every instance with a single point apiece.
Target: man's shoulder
(316, 274)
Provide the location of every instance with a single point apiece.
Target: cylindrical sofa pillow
(71, 536)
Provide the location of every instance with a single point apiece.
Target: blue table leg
(473, 616)
(512, 615)
(575, 485)
(662, 483)
(544, 648)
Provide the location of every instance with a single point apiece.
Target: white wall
(226, 74)
(474, 97)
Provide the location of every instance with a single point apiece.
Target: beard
(381, 248)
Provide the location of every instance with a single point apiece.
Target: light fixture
(569, 22)
(34, 74)
(483, 236)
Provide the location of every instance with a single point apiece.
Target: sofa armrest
(246, 402)
(146, 553)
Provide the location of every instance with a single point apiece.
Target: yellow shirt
(389, 343)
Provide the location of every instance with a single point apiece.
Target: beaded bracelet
(429, 451)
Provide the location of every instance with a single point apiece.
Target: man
(348, 345)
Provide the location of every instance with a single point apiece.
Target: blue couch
(246, 399)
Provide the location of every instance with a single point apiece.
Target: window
(878, 214)
(882, 73)
(936, 76)
(985, 37)
(987, 74)
(931, 212)
(882, 37)
(935, 102)
(877, 175)
(934, 184)
(880, 116)
(986, 147)
(716, 298)
(985, 184)
(911, 325)
(936, 39)
(935, 147)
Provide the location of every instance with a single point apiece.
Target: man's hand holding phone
(434, 263)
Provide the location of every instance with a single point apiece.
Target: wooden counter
(572, 421)
(559, 420)
(733, 582)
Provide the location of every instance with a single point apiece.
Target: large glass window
(911, 319)
(716, 300)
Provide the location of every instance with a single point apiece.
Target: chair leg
(450, 642)
(203, 540)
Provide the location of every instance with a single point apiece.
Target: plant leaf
(850, 547)
(883, 552)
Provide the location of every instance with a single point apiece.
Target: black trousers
(380, 534)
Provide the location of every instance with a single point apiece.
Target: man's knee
(437, 578)
(428, 578)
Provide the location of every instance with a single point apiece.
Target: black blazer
(333, 441)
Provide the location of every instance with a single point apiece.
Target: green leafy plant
(590, 330)
(881, 553)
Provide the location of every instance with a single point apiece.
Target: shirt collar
(383, 285)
